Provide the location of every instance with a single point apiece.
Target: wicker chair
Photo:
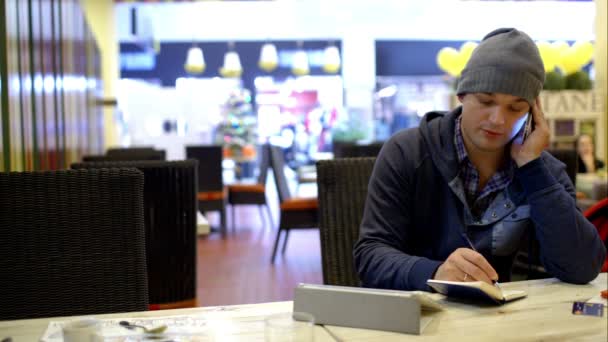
(170, 222)
(568, 157)
(353, 150)
(73, 243)
(295, 212)
(211, 193)
(135, 153)
(243, 194)
(126, 154)
(342, 188)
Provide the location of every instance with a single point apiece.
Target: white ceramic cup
(81, 330)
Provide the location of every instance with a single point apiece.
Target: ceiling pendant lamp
(269, 58)
(299, 66)
(232, 63)
(195, 60)
(331, 59)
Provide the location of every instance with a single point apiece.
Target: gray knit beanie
(506, 61)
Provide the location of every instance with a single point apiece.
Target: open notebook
(475, 290)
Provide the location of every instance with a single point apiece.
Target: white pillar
(359, 75)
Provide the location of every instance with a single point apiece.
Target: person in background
(454, 198)
(587, 162)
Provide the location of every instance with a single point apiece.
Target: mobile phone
(528, 127)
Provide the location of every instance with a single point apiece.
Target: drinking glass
(290, 327)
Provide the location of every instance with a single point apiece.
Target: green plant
(578, 81)
(349, 130)
(554, 81)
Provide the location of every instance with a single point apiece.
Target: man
(454, 198)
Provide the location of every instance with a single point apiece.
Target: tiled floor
(237, 270)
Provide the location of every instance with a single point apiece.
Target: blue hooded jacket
(416, 214)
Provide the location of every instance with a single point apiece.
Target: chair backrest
(134, 153)
(359, 151)
(96, 158)
(264, 163)
(277, 163)
(73, 243)
(170, 222)
(134, 149)
(342, 188)
(570, 158)
(209, 166)
(339, 148)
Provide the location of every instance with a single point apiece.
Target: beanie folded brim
(494, 79)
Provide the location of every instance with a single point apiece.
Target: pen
(466, 238)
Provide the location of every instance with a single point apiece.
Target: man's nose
(497, 116)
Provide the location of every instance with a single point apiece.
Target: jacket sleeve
(570, 246)
(379, 257)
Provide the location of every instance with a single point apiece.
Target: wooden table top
(546, 314)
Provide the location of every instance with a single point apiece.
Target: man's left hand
(537, 140)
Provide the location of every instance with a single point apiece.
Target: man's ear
(461, 97)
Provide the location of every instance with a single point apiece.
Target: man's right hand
(465, 264)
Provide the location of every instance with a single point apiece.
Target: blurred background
(79, 77)
(91, 80)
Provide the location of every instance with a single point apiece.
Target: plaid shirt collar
(479, 199)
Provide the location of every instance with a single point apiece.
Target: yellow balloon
(548, 54)
(448, 60)
(568, 62)
(575, 57)
(459, 67)
(560, 46)
(466, 50)
(583, 52)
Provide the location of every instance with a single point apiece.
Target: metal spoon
(158, 330)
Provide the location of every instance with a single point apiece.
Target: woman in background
(587, 162)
